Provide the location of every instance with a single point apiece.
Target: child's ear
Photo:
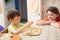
(10, 20)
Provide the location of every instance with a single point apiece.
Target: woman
(52, 16)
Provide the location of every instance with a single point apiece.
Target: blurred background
(29, 9)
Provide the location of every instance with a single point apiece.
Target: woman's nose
(49, 16)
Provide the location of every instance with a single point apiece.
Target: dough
(32, 31)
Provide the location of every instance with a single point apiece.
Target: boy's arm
(22, 28)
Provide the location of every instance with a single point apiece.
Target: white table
(5, 37)
(47, 33)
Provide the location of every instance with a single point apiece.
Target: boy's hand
(30, 22)
(37, 22)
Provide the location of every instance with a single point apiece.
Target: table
(5, 37)
(47, 33)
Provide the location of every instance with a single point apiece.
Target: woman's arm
(42, 22)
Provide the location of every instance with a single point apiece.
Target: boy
(15, 26)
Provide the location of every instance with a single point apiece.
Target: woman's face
(52, 16)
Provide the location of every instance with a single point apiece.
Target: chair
(1, 28)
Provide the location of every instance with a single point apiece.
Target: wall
(34, 9)
(2, 21)
(23, 9)
(46, 3)
(9, 5)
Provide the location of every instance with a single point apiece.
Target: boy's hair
(12, 13)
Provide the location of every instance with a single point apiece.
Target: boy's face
(52, 16)
(16, 20)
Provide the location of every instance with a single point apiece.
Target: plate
(32, 31)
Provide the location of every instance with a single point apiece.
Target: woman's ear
(57, 15)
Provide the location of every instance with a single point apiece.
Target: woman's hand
(54, 24)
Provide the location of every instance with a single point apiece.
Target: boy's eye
(17, 19)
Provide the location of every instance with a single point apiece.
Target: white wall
(2, 22)
(8, 5)
(34, 9)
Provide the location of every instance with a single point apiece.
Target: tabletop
(47, 33)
